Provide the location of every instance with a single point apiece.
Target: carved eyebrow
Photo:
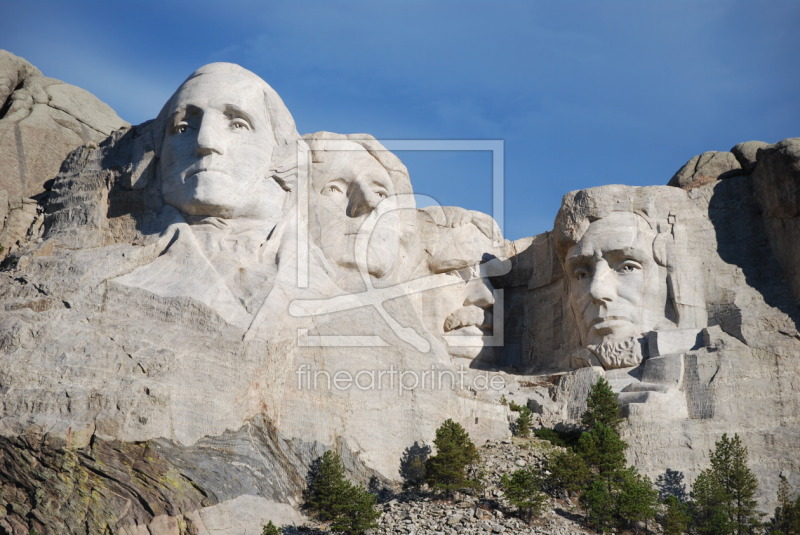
(632, 253)
(238, 112)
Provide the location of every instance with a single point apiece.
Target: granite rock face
(713, 265)
(159, 305)
(42, 120)
(197, 307)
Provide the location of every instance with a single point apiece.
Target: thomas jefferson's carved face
(217, 149)
(616, 288)
(348, 184)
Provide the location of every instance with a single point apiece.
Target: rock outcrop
(197, 307)
(42, 120)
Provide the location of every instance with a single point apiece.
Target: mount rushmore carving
(215, 299)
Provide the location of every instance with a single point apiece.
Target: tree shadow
(412, 465)
(670, 483)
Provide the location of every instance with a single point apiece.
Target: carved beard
(618, 352)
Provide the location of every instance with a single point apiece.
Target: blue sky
(583, 93)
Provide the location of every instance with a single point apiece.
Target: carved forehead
(323, 144)
(619, 231)
(226, 79)
(346, 160)
(222, 91)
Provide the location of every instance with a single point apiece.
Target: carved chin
(616, 352)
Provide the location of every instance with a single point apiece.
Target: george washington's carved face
(217, 149)
(616, 288)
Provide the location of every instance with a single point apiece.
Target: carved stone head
(352, 176)
(221, 132)
(627, 266)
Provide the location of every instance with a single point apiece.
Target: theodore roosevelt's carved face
(217, 148)
(616, 288)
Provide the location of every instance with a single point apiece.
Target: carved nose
(604, 285)
(209, 140)
(363, 199)
(479, 293)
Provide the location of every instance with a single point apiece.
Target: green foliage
(636, 498)
(787, 515)
(523, 490)
(568, 472)
(523, 423)
(359, 513)
(270, 529)
(724, 495)
(623, 499)
(503, 400)
(598, 502)
(708, 511)
(516, 407)
(332, 498)
(447, 470)
(612, 495)
(565, 439)
(327, 487)
(602, 407)
(602, 450)
(676, 516)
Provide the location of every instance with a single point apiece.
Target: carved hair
(665, 210)
(289, 143)
(318, 142)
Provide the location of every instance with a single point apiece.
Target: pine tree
(724, 494)
(270, 529)
(332, 498)
(602, 450)
(637, 499)
(602, 407)
(676, 517)
(708, 498)
(787, 515)
(568, 472)
(447, 470)
(327, 487)
(523, 423)
(358, 514)
(598, 502)
(523, 490)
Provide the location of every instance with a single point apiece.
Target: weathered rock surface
(738, 255)
(42, 120)
(163, 370)
(705, 168)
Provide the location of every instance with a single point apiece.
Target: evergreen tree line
(591, 468)
(721, 501)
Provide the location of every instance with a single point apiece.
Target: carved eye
(238, 124)
(180, 128)
(629, 266)
(381, 194)
(581, 273)
(332, 189)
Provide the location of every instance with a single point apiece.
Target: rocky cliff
(174, 356)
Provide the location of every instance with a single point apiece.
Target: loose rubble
(484, 512)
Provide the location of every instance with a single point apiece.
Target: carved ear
(663, 246)
(290, 163)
